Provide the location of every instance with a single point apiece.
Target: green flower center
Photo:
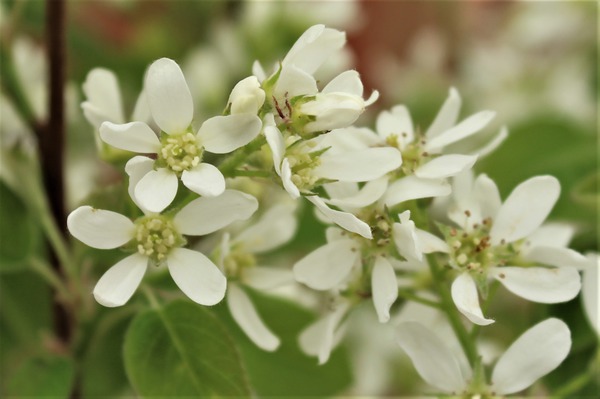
(413, 153)
(180, 152)
(156, 236)
(302, 162)
(237, 261)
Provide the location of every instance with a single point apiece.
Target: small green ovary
(156, 237)
(413, 153)
(180, 152)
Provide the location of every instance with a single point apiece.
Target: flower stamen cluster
(180, 152)
(237, 261)
(156, 236)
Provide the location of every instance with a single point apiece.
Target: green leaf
(19, 234)
(183, 350)
(103, 371)
(43, 376)
(288, 371)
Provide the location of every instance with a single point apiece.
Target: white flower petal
(445, 166)
(396, 121)
(99, 228)
(141, 111)
(384, 287)
(405, 238)
(411, 187)
(555, 256)
(118, 283)
(197, 276)
(245, 315)
(246, 96)
(371, 192)
(286, 179)
(332, 111)
(466, 299)
(275, 228)
(466, 128)
(137, 167)
(156, 190)
(102, 91)
(133, 136)
(431, 243)
(168, 96)
(319, 338)
(357, 166)
(258, 71)
(487, 196)
(267, 278)
(293, 82)
(447, 116)
(525, 209)
(433, 360)
(540, 284)
(534, 354)
(346, 82)
(327, 266)
(205, 179)
(223, 134)
(347, 139)
(314, 47)
(343, 219)
(552, 235)
(206, 215)
(277, 146)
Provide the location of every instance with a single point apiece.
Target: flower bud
(247, 97)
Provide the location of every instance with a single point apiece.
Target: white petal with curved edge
(369, 194)
(245, 315)
(275, 228)
(346, 82)
(205, 179)
(314, 47)
(137, 167)
(247, 96)
(132, 136)
(277, 146)
(99, 228)
(197, 276)
(327, 266)
(347, 139)
(540, 284)
(258, 71)
(534, 354)
(447, 116)
(156, 190)
(431, 243)
(286, 179)
(464, 129)
(101, 89)
(168, 96)
(589, 290)
(267, 278)
(445, 166)
(118, 283)
(433, 360)
(141, 111)
(552, 234)
(487, 196)
(491, 145)
(466, 299)
(555, 256)
(405, 238)
(343, 219)
(411, 187)
(396, 121)
(357, 166)
(293, 82)
(224, 134)
(206, 215)
(384, 287)
(525, 209)
(319, 338)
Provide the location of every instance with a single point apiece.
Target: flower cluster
(405, 216)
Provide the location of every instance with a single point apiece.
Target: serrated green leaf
(43, 376)
(288, 371)
(19, 233)
(183, 350)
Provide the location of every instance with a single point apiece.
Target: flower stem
(413, 297)
(46, 271)
(229, 165)
(447, 305)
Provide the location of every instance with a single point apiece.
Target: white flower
(179, 150)
(247, 97)
(159, 239)
(303, 165)
(589, 291)
(237, 260)
(534, 354)
(496, 238)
